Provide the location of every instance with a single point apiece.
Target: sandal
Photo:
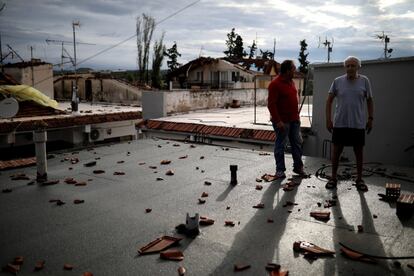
(361, 186)
(332, 183)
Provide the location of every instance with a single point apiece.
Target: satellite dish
(8, 108)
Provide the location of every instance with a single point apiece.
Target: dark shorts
(348, 136)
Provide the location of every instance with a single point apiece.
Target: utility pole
(386, 39)
(75, 97)
(328, 45)
(274, 48)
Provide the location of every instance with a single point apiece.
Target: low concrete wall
(185, 100)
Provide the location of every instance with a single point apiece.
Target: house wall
(220, 66)
(38, 76)
(103, 90)
(185, 100)
(393, 129)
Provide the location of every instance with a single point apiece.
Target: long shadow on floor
(258, 241)
(369, 242)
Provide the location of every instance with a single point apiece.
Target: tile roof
(59, 121)
(207, 130)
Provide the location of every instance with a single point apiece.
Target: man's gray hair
(353, 58)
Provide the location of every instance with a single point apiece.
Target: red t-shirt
(283, 100)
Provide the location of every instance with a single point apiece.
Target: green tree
(144, 28)
(253, 49)
(303, 67)
(159, 49)
(234, 44)
(172, 53)
(266, 54)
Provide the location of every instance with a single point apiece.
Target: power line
(129, 38)
(134, 35)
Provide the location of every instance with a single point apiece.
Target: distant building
(35, 73)
(223, 73)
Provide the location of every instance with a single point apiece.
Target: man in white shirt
(351, 92)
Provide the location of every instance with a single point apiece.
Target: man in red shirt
(283, 104)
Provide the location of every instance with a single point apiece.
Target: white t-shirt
(351, 95)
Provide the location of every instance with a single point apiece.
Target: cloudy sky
(201, 28)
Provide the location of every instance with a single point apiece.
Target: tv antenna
(201, 51)
(386, 39)
(328, 44)
(65, 54)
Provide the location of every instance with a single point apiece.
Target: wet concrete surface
(102, 235)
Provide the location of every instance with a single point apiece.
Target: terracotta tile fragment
(18, 260)
(172, 254)
(411, 266)
(160, 179)
(272, 267)
(360, 228)
(181, 271)
(39, 265)
(119, 173)
(67, 267)
(208, 183)
(82, 183)
(20, 176)
(169, 172)
(78, 201)
(324, 216)
(205, 221)
(269, 220)
(183, 157)
(12, 268)
(60, 202)
(241, 267)
(259, 187)
(148, 210)
(201, 201)
(228, 208)
(279, 273)
(87, 274)
(202, 157)
(259, 180)
(120, 162)
(229, 223)
(204, 194)
(165, 162)
(356, 256)
(153, 167)
(141, 163)
(259, 206)
(158, 245)
(70, 180)
(374, 216)
(6, 191)
(310, 248)
(90, 164)
(98, 171)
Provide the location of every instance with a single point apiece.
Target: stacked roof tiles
(207, 130)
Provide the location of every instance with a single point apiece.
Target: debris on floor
(19, 176)
(169, 172)
(39, 265)
(208, 183)
(259, 180)
(321, 215)
(148, 210)
(229, 223)
(405, 205)
(165, 162)
(98, 171)
(181, 271)
(158, 245)
(259, 206)
(268, 177)
(119, 173)
(78, 201)
(272, 267)
(205, 221)
(241, 267)
(259, 187)
(87, 274)
(360, 228)
(14, 269)
(67, 267)
(201, 201)
(50, 182)
(90, 164)
(311, 250)
(183, 157)
(204, 194)
(172, 254)
(354, 255)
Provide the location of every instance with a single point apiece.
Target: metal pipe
(40, 138)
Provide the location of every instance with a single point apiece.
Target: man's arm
(370, 107)
(328, 112)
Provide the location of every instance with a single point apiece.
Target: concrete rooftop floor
(102, 235)
(242, 117)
